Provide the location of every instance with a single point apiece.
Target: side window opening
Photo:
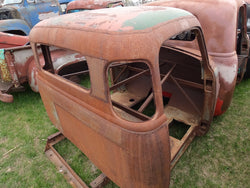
(67, 64)
(182, 82)
(131, 90)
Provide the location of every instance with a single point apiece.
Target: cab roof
(105, 31)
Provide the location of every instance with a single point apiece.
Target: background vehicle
(17, 66)
(19, 16)
(227, 44)
(81, 5)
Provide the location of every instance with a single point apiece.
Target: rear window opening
(67, 64)
(182, 79)
(131, 90)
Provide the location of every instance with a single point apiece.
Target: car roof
(114, 33)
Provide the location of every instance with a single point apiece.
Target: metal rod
(128, 79)
(132, 77)
(59, 161)
(138, 115)
(122, 71)
(186, 95)
(189, 83)
(75, 73)
(150, 97)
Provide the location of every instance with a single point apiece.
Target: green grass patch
(24, 128)
(218, 159)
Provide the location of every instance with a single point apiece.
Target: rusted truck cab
(134, 86)
(224, 26)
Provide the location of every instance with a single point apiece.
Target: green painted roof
(152, 18)
(116, 19)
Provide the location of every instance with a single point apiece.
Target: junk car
(140, 84)
(224, 27)
(82, 5)
(17, 67)
(19, 16)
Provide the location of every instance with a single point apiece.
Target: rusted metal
(128, 59)
(80, 5)
(100, 181)
(129, 79)
(186, 95)
(17, 67)
(6, 97)
(228, 49)
(150, 97)
(65, 169)
(10, 40)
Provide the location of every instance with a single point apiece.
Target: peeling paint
(227, 73)
(153, 18)
(33, 82)
(22, 16)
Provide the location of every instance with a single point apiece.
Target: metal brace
(64, 168)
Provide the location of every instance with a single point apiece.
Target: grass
(24, 128)
(218, 159)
